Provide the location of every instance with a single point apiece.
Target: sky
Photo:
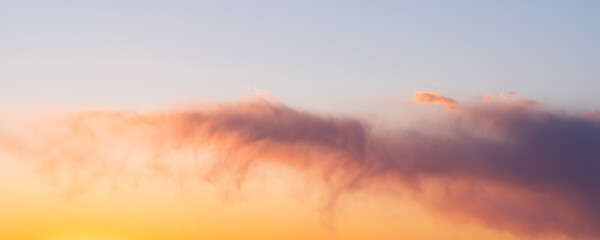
(144, 120)
(143, 53)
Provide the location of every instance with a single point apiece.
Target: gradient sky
(308, 53)
(152, 120)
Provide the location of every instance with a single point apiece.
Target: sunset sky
(148, 120)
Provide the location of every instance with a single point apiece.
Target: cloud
(487, 97)
(435, 97)
(507, 95)
(512, 167)
(592, 114)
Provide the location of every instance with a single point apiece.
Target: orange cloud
(507, 95)
(487, 97)
(435, 97)
(592, 114)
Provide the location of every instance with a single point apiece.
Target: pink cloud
(512, 167)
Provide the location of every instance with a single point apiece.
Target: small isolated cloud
(435, 97)
(264, 94)
(592, 114)
(487, 97)
(507, 95)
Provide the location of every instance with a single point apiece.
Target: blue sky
(139, 54)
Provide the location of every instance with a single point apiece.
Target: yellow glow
(118, 184)
(276, 205)
(86, 237)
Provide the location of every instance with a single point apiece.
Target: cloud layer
(507, 165)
